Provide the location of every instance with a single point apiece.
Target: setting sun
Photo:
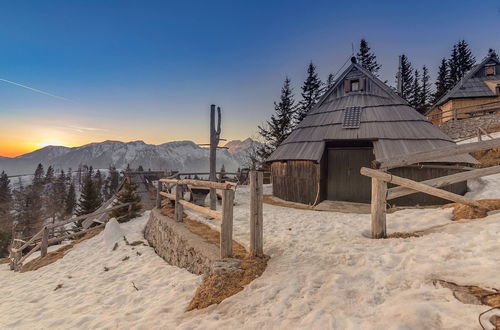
(49, 143)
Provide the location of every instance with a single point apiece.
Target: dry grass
(462, 211)
(487, 158)
(217, 287)
(471, 294)
(53, 256)
(403, 235)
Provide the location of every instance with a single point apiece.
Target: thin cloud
(34, 89)
(86, 129)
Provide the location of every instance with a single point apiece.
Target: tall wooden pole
(256, 213)
(214, 142)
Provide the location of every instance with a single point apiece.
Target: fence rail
(225, 215)
(380, 179)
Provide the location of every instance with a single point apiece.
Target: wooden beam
(445, 181)
(25, 245)
(36, 248)
(169, 196)
(226, 227)
(200, 183)
(378, 208)
(85, 216)
(78, 233)
(158, 194)
(256, 213)
(418, 186)
(419, 157)
(179, 210)
(201, 209)
(45, 242)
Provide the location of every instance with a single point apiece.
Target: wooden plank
(85, 216)
(179, 210)
(169, 196)
(256, 213)
(418, 186)
(36, 248)
(434, 154)
(201, 209)
(45, 242)
(226, 227)
(201, 183)
(378, 208)
(444, 181)
(158, 194)
(78, 233)
(486, 133)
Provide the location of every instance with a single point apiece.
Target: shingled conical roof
(386, 119)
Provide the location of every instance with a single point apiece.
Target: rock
(112, 233)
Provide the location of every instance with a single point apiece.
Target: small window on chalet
(490, 70)
(354, 85)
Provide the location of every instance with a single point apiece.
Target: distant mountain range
(183, 156)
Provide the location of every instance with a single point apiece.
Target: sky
(149, 70)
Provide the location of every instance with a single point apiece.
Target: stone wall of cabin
(296, 180)
(464, 128)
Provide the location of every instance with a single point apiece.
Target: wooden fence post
(178, 207)
(158, 196)
(45, 242)
(378, 208)
(256, 213)
(226, 227)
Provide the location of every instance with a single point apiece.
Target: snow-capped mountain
(238, 146)
(180, 155)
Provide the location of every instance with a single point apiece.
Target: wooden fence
(464, 112)
(226, 213)
(380, 179)
(41, 240)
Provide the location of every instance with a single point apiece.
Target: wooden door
(344, 182)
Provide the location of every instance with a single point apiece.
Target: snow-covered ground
(323, 274)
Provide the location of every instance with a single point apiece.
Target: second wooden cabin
(358, 120)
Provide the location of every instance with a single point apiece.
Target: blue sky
(149, 70)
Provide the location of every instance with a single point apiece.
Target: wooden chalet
(357, 121)
(478, 93)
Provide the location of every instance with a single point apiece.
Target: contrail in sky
(34, 89)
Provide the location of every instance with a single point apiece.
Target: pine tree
(140, 169)
(442, 81)
(311, 92)
(70, 202)
(57, 196)
(366, 58)
(406, 76)
(29, 214)
(127, 195)
(330, 81)
(99, 183)
(280, 125)
(222, 175)
(89, 199)
(5, 211)
(416, 90)
(425, 92)
(493, 54)
(5, 192)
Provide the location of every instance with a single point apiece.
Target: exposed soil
(217, 287)
(271, 200)
(53, 256)
(461, 211)
(403, 235)
(487, 158)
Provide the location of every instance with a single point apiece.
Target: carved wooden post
(214, 142)
(256, 213)
(226, 227)
(378, 208)
(45, 242)
(178, 207)
(158, 196)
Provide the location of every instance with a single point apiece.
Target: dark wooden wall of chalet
(421, 174)
(296, 180)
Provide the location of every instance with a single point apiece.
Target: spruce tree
(406, 76)
(5, 192)
(70, 202)
(90, 198)
(57, 197)
(311, 92)
(29, 214)
(49, 176)
(140, 169)
(330, 81)
(5, 210)
(277, 129)
(461, 61)
(127, 195)
(442, 81)
(38, 177)
(416, 90)
(425, 92)
(366, 58)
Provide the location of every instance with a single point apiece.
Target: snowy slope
(324, 274)
(180, 155)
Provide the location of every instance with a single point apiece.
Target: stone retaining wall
(464, 128)
(178, 246)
